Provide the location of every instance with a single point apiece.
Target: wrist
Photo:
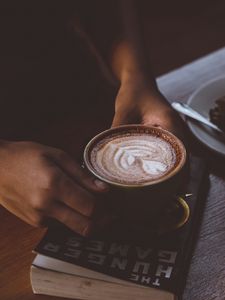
(140, 86)
(140, 93)
(130, 66)
(138, 80)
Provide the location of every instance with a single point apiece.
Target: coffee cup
(143, 166)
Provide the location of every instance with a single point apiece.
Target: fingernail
(87, 231)
(101, 185)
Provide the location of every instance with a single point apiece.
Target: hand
(39, 182)
(138, 103)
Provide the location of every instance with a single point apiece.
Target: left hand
(142, 104)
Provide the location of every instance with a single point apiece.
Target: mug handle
(186, 212)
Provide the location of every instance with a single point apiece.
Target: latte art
(133, 158)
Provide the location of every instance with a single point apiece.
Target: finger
(71, 219)
(72, 168)
(75, 196)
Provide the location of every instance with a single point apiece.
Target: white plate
(202, 100)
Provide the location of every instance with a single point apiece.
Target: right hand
(39, 182)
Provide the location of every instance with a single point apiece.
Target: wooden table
(206, 278)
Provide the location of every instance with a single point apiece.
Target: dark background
(176, 32)
(42, 64)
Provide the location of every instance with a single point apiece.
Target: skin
(38, 182)
(139, 99)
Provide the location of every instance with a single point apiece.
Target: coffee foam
(133, 158)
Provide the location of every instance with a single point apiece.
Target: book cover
(156, 257)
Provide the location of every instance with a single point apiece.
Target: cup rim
(140, 185)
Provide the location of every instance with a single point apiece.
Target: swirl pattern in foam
(133, 158)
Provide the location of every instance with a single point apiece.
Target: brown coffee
(135, 155)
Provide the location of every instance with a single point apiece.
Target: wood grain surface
(206, 278)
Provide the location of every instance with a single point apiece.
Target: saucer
(202, 100)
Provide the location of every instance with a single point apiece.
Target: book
(125, 261)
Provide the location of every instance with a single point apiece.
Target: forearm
(118, 37)
(130, 61)
(129, 69)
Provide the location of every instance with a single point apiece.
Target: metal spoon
(190, 112)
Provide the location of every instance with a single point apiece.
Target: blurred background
(43, 63)
(176, 32)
